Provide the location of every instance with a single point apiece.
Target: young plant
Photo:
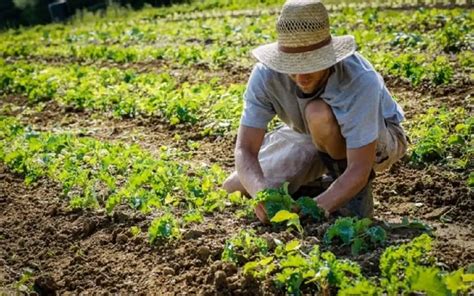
(355, 233)
(291, 219)
(294, 270)
(244, 246)
(279, 206)
(164, 228)
(409, 268)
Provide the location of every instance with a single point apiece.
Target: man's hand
(346, 186)
(260, 210)
(261, 213)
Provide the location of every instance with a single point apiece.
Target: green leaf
(377, 235)
(357, 246)
(283, 215)
(427, 279)
(292, 245)
(454, 281)
(293, 261)
(345, 231)
(310, 208)
(275, 200)
(266, 260)
(361, 225)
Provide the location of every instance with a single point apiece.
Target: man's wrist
(258, 186)
(327, 213)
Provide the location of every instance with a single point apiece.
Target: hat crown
(303, 23)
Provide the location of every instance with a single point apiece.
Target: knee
(319, 116)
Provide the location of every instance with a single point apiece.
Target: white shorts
(288, 156)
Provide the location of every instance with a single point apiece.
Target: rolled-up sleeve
(258, 111)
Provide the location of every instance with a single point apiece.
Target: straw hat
(305, 44)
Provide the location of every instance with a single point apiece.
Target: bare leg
(327, 137)
(232, 184)
(324, 129)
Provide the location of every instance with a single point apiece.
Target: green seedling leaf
(244, 246)
(454, 281)
(292, 246)
(342, 228)
(427, 279)
(275, 200)
(164, 227)
(291, 218)
(355, 233)
(406, 223)
(377, 235)
(308, 207)
(283, 215)
(135, 230)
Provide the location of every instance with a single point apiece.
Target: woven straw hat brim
(306, 62)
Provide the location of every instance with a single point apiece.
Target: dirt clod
(203, 253)
(220, 279)
(230, 269)
(168, 271)
(121, 239)
(45, 285)
(192, 234)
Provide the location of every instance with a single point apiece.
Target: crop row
(97, 174)
(215, 108)
(433, 26)
(300, 268)
(445, 136)
(413, 67)
(402, 47)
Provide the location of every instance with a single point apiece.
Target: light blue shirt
(355, 91)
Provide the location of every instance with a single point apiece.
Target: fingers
(261, 213)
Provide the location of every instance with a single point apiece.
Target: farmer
(340, 119)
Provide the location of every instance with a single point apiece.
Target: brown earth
(73, 251)
(69, 251)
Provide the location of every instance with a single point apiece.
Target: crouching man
(339, 117)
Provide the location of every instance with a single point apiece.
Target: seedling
(355, 233)
(279, 206)
(244, 246)
(165, 227)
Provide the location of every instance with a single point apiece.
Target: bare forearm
(343, 189)
(249, 171)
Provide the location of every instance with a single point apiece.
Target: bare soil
(70, 252)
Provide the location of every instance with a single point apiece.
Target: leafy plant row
(397, 43)
(97, 174)
(437, 136)
(126, 93)
(442, 135)
(430, 30)
(299, 268)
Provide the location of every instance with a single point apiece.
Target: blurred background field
(14, 13)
